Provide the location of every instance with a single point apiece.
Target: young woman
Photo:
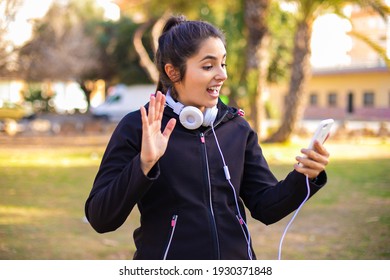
(191, 163)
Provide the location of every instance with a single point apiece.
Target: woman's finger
(321, 149)
(317, 157)
(169, 128)
(310, 163)
(159, 105)
(152, 109)
(162, 105)
(144, 118)
(311, 173)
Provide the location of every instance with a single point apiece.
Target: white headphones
(191, 117)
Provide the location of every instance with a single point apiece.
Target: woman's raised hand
(154, 142)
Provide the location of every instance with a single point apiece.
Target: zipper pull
(240, 219)
(173, 221)
(202, 139)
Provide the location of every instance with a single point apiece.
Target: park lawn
(44, 189)
(42, 211)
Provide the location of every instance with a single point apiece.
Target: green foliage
(156, 8)
(281, 26)
(39, 99)
(86, 10)
(241, 85)
(119, 63)
(233, 25)
(118, 57)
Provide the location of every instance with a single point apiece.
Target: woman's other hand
(154, 142)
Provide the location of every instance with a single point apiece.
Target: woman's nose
(221, 75)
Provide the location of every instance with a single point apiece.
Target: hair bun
(173, 21)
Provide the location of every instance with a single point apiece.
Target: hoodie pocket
(172, 233)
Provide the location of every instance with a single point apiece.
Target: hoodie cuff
(154, 173)
(320, 180)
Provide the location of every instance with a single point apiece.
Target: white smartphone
(322, 132)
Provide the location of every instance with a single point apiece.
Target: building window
(350, 102)
(368, 99)
(313, 99)
(332, 99)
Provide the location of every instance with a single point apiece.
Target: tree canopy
(265, 44)
(8, 10)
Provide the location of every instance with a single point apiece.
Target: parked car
(69, 98)
(123, 99)
(14, 111)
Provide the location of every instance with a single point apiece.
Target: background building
(350, 81)
(359, 90)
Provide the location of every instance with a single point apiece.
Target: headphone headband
(176, 106)
(191, 117)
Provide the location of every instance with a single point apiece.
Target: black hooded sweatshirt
(189, 210)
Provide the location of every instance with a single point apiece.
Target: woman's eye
(224, 65)
(207, 67)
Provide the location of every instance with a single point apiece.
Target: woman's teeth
(213, 90)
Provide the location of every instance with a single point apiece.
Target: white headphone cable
(227, 175)
(293, 217)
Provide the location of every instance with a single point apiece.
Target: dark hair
(180, 40)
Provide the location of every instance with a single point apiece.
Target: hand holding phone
(322, 132)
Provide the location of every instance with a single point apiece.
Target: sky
(330, 42)
(20, 29)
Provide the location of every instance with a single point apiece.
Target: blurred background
(70, 70)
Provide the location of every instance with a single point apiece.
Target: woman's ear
(173, 74)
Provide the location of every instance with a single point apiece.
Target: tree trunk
(145, 61)
(157, 29)
(257, 56)
(300, 74)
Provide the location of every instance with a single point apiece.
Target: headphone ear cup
(210, 115)
(191, 117)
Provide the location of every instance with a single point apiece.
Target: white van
(122, 100)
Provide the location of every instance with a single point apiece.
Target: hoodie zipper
(214, 224)
(173, 227)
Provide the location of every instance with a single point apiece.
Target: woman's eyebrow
(211, 57)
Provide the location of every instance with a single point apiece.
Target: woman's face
(205, 75)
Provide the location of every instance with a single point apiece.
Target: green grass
(43, 190)
(41, 211)
(348, 219)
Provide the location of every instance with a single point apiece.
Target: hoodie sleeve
(120, 182)
(268, 199)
